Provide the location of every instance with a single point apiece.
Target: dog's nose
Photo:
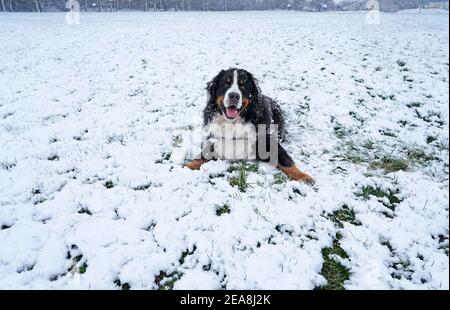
(234, 97)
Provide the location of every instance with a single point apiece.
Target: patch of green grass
(164, 157)
(383, 96)
(53, 157)
(442, 146)
(431, 139)
(390, 164)
(345, 214)
(368, 191)
(36, 191)
(414, 104)
(249, 167)
(341, 131)
(225, 209)
(354, 158)
(84, 210)
(177, 140)
(240, 181)
(279, 178)
(401, 63)
(82, 269)
(369, 144)
(371, 94)
(143, 187)
(419, 156)
(388, 133)
(443, 242)
(333, 271)
(387, 244)
(253, 167)
(431, 117)
(356, 116)
(186, 254)
(241, 171)
(353, 153)
(124, 286)
(284, 229)
(78, 265)
(408, 79)
(410, 156)
(109, 184)
(402, 269)
(167, 281)
(402, 122)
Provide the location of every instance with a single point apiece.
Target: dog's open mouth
(231, 112)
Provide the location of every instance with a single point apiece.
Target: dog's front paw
(295, 174)
(303, 177)
(195, 164)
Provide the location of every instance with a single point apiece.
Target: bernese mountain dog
(244, 124)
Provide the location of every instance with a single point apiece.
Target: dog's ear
(256, 111)
(211, 86)
(255, 94)
(211, 107)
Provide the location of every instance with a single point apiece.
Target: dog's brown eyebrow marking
(246, 102)
(219, 101)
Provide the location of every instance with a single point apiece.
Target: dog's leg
(196, 164)
(285, 162)
(206, 155)
(295, 174)
(287, 165)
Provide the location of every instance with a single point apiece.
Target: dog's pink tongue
(231, 112)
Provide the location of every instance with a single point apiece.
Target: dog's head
(233, 92)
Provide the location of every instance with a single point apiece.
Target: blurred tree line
(161, 5)
(177, 5)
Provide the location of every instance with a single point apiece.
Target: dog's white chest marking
(234, 140)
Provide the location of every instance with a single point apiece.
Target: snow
(90, 113)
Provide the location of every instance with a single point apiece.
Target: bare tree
(38, 8)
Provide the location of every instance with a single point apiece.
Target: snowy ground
(94, 117)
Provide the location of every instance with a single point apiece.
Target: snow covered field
(94, 120)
